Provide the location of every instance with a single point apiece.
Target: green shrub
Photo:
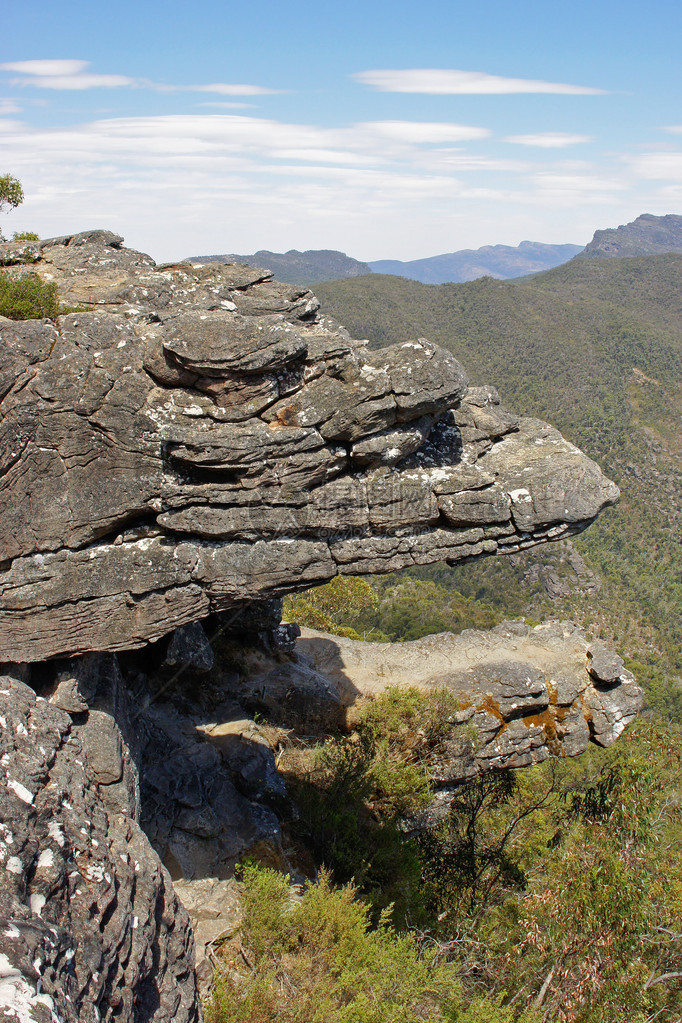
(319, 960)
(25, 236)
(28, 298)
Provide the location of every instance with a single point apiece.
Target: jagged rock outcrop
(161, 452)
(188, 441)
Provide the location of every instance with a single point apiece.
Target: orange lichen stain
(491, 707)
(547, 721)
(285, 417)
(544, 719)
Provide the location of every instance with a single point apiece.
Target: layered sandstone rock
(90, 927)
(202, 437)
(193, 439)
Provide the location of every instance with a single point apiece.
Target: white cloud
(76, 82)
(425, 131)
(73, 75)
(662, 166)
(9, 106)
(222, 105)
(46, 67)
(674, 129)
(220, 182)
(549, 139)
(221, 88)
(573, 189)
(450, 82)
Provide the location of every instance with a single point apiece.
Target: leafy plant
(318, 959)
(11, 194)
(28, 298)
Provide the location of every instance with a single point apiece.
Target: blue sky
(387, 130)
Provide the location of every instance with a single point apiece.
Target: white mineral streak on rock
(37, 903)
(18, 998)
(45, 860)
(24, 794)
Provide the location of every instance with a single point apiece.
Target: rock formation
(161, 453)
(189, 440)
(523, 694)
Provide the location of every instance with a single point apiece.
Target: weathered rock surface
(160, 452)
(523, 694)
(91, 928)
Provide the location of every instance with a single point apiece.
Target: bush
(28, 298)
(319, 960)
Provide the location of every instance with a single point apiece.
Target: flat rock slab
(527, 693)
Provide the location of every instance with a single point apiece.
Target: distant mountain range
(647, 235)
(500, 261)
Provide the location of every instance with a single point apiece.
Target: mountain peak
(648, 235)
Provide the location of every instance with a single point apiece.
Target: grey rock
(189, 647)
(91, 928)
(67, 696)
(203, 437)
(605, 666)
(522, 695)
(209, 344)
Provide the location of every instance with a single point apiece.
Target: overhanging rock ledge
(202, 436)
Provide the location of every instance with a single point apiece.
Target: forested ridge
(595, 347)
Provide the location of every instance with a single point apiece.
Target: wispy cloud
(46, 68)
(658, 166)
(549, 139)
(63, 74)
(445, 81)
(223, 105)
(426, 131)
(74, 75)
(9, 106)
(674, 129)
(221, 88)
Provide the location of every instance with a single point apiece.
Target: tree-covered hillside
(595, 347)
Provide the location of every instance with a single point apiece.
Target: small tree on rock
(11, 194)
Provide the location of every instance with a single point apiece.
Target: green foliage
(28, 298)
(554, 892)
(337, 607)
(392, 608)
(350, 801)
(11, 192)
(25, 236)
(598, 917)
(319, 960)
(595, 347)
